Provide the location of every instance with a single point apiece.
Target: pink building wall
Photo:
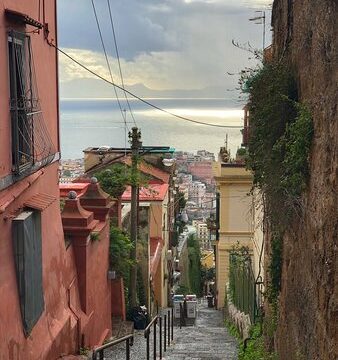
(202, 170)
(45, 59)
(65, 324)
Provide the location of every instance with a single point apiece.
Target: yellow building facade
(207, 259)
(234, 184)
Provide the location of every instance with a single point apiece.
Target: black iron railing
(165, 333)
(129, 339)
(245, 291)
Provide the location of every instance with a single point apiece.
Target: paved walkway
(207, 339)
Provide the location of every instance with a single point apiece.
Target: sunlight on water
(233, 114)
(86, 123)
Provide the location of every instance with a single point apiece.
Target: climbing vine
(281, 132)
(280, 139)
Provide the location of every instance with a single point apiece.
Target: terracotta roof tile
(154, 192)
(40, 201)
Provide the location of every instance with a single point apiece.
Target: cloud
(174, 44)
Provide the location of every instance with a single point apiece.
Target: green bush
(252, 348)
(119, 256)
(255, 349)
(194, 254)
(241, 151)
(114, 179)
(182, 290)
(119, 252)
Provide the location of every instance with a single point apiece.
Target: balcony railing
(245, 291)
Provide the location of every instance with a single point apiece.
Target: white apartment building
(197, 191)
(202, 233)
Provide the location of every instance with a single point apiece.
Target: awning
(22, 18)
(40, 201)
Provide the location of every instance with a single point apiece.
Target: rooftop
(143, 149)
(154, 192)
(79, 188)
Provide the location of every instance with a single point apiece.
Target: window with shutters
(27, 247)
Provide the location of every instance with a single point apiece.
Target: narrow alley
(207, 339)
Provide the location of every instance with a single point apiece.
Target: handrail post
(147, 345)
(155, 339)
(129, 339)
(127, 350)
(172, 324)
(168, 327)
(160, 337)
(165, 332)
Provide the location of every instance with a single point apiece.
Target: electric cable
(118, 60)
(107, 61)
(139, 98)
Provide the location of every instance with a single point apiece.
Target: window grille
(31, 142)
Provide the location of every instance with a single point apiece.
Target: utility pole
(135, 140)
(260, 19)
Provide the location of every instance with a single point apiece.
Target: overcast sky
(168, 44)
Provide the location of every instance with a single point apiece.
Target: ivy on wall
(281, 132)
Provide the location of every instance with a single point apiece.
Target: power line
(107, 61)
(118, 60)
(139, 98)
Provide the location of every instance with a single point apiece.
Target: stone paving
(206, 339)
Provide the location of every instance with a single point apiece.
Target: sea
(98, 122)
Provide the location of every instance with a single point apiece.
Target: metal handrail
(99, 350)
(166, 323)
(147, 329)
